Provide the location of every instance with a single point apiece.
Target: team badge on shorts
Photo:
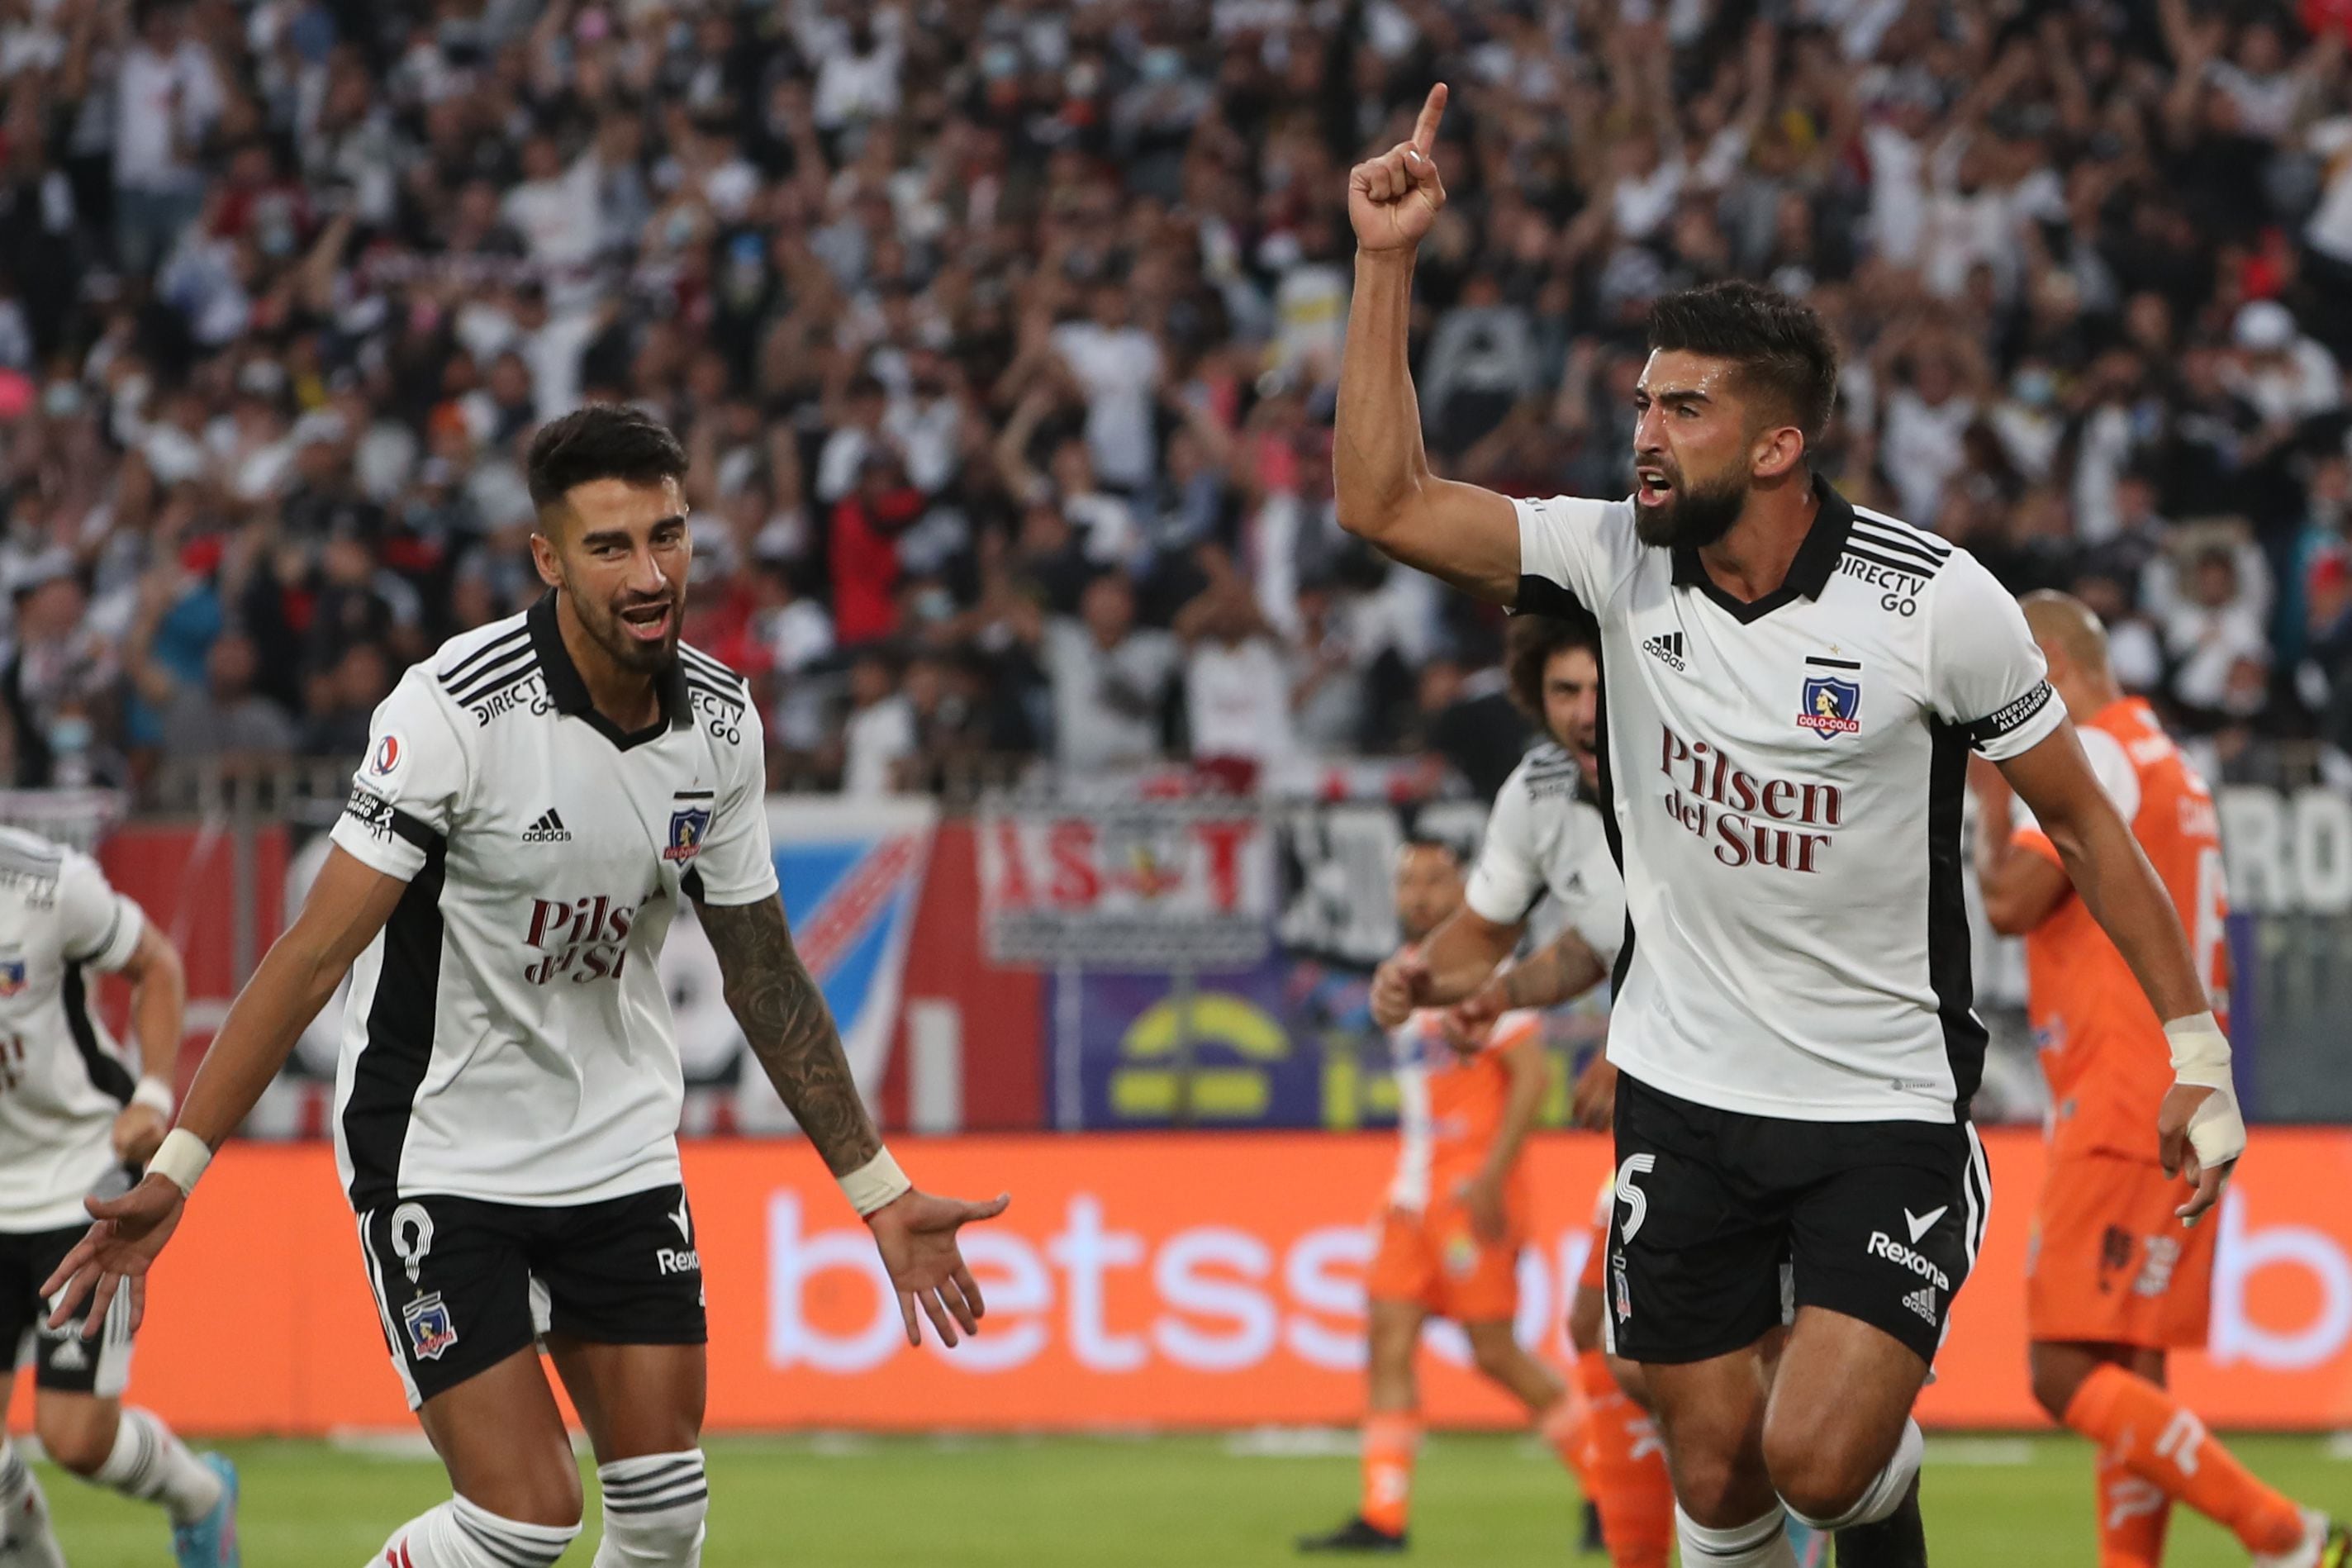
(12, 976)
(430, 1331)
(687, 824)
(1461, 1256)
(1832, 704)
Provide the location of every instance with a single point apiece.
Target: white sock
(459, 1534)
(1887, 1490)
(1763, 1543)
(149, 1464)
(654, 1508)
(25, 1514)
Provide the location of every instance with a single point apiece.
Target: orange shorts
(2109, 1263)
(1438, 1262)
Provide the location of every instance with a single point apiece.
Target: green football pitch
(1193, 1501)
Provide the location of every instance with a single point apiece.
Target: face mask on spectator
(71, 732)
(2034, 388)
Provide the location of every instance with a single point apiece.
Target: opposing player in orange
(2115, 1280)
(1456, 1217)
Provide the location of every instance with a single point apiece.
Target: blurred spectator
(1003, 335)
(879, 735)
(1111, 680)
(220, 716)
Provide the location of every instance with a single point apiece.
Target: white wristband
(876, 1183)
(2201, 1057)
(181, 1158)
(155, 1095)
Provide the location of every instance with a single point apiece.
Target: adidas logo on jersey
(1923, 1301)
(548, 830)
(1667, 647)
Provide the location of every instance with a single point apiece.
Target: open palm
(916, 1234)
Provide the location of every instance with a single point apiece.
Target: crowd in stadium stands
(1005, 334)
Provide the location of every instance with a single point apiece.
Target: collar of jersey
(1815, 563)
(570, 693)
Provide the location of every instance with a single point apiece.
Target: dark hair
(1529, 644)
(601, 441)
(1782, 346)
(1453, 851)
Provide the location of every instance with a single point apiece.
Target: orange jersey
(2103, 1049)
(1450, 1105)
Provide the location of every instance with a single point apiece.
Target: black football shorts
(1725, 1224)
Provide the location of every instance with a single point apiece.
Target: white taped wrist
(181, 1158)
(876, 1183)
(2201, 1057)
(155, 1095)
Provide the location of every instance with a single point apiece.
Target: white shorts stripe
(1976, 1182)
(384, 1313)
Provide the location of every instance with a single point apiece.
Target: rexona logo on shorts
(1885, 1246)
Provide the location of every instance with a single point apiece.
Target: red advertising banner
(1150, 1279)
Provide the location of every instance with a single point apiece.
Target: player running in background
(1792, 686)
(71, 1119)
(539, 800)
(2113, 1281)
(1455, 1220)
(1545, 839)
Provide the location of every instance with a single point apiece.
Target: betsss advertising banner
(1169, 1280)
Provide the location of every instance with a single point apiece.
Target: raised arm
(1385, 492)
(2200, 1128)
(784, 1017)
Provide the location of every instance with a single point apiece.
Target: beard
(604, 626)
(1695, 516)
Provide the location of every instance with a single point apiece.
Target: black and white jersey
(1785, 780)
(507, 1037)
(62, 1080)
(1545, 839)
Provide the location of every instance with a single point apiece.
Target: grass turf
(1152, 1502)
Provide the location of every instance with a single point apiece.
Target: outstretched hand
(1395, 198)
(916, 1234)
(118, 1252)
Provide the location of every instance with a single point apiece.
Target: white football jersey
(62, 1080)
(507, 1037)
(1786, 779)
(1544, 838)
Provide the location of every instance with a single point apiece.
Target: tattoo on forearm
(783, 1017)
(1551, 974)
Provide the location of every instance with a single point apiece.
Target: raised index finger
(1425, 129)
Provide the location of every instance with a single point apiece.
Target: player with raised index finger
(1794, 686)
(539, 801)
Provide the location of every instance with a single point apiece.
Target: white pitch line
(1292, 1443)
(1980, 1450)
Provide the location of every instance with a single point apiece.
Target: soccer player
(539, 801)
(1545, 837)
(1792, 690)
(71, 1119)
(2113, 1283)
(1456, 1221)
